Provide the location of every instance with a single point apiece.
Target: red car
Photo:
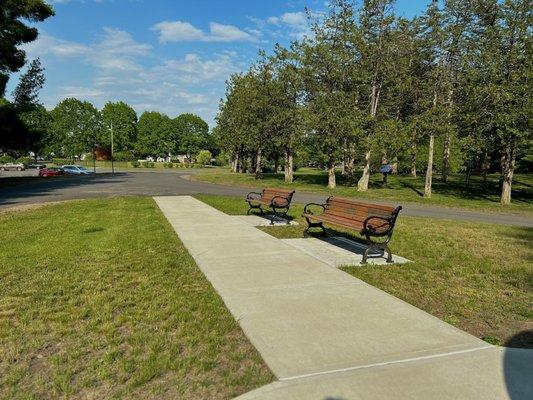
(52, 171)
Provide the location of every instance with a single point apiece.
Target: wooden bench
(373, 221)
(278, 200)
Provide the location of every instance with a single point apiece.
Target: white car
(76, 170)
(16, 166)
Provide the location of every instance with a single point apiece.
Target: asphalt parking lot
(34, 190)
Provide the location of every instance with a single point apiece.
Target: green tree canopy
(76, 128)
(123, 119)
(156, 135)
(14, 31)
(193, 134)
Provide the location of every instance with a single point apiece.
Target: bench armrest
(280, 201)
(253, 196)
(309, 211)
(385, 225)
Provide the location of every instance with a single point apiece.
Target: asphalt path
(172, 182)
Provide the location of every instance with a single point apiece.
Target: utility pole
(112, 164)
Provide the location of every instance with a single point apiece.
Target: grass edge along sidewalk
(477, 277)
(401, 188)
(100, 299)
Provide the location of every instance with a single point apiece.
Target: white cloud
(289, 24)
(180, 31)
(294, 19)
(46, 44)
(177, 31)
(122, 70)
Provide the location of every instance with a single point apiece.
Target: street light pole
(112, 164)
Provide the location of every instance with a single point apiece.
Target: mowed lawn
(478, 196)
(99, 299)
(478, 277)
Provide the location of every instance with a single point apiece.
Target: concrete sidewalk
(327, 335)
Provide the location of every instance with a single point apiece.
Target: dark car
(36, 166)
(52, 171)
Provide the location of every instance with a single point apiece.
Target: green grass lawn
(99, 299)
(400, 188)
(478, 277)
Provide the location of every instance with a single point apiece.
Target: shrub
(6, 159)
(149, 164)
(222, 160)
(126, 155)
(25, 160)
(168, 165)
(204, 157)
(135, 164)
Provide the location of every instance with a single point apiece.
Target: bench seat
(372, 221)
(278, 200)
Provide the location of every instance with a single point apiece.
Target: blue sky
(163, 55)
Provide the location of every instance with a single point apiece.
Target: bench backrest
(268, 194)
(357, 210)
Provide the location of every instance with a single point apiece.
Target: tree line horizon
(368, 86)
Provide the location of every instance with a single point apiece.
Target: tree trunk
(429, 171)
(350, 165)
(289, 176)
(508, 164)
(236, 162)
(331, 174)
(258, 164)
(414, 154)
(446, 157)
(276, 164)
(394, 165)
(362, 185)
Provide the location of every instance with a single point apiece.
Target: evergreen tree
(14, 32)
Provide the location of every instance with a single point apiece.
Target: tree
(499, 81)
(193, 133)
(287, 93)
(26, 94)
(123, 118)
(331, 98)
(25, 120)
(76, 127)
(14, 32)
(13, 134)
(376, 27)
(204, 157)
(156, 135)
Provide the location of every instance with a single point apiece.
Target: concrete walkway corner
(327, 335)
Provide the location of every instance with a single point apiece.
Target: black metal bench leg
(389, 254)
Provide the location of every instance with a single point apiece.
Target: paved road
(161, 183)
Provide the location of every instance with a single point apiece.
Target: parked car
(14, 166)
(76, 170)
(36, 166)
(52, 171)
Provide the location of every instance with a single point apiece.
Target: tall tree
(330, 91)
(76, 128)
(435, 89)
(499, 80)
(14, 32)
(156, 135)
(26, 94)
(193, 134)
(288, 102)
(123, 119)
(377, 20)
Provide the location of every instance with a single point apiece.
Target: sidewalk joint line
(385, 363)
